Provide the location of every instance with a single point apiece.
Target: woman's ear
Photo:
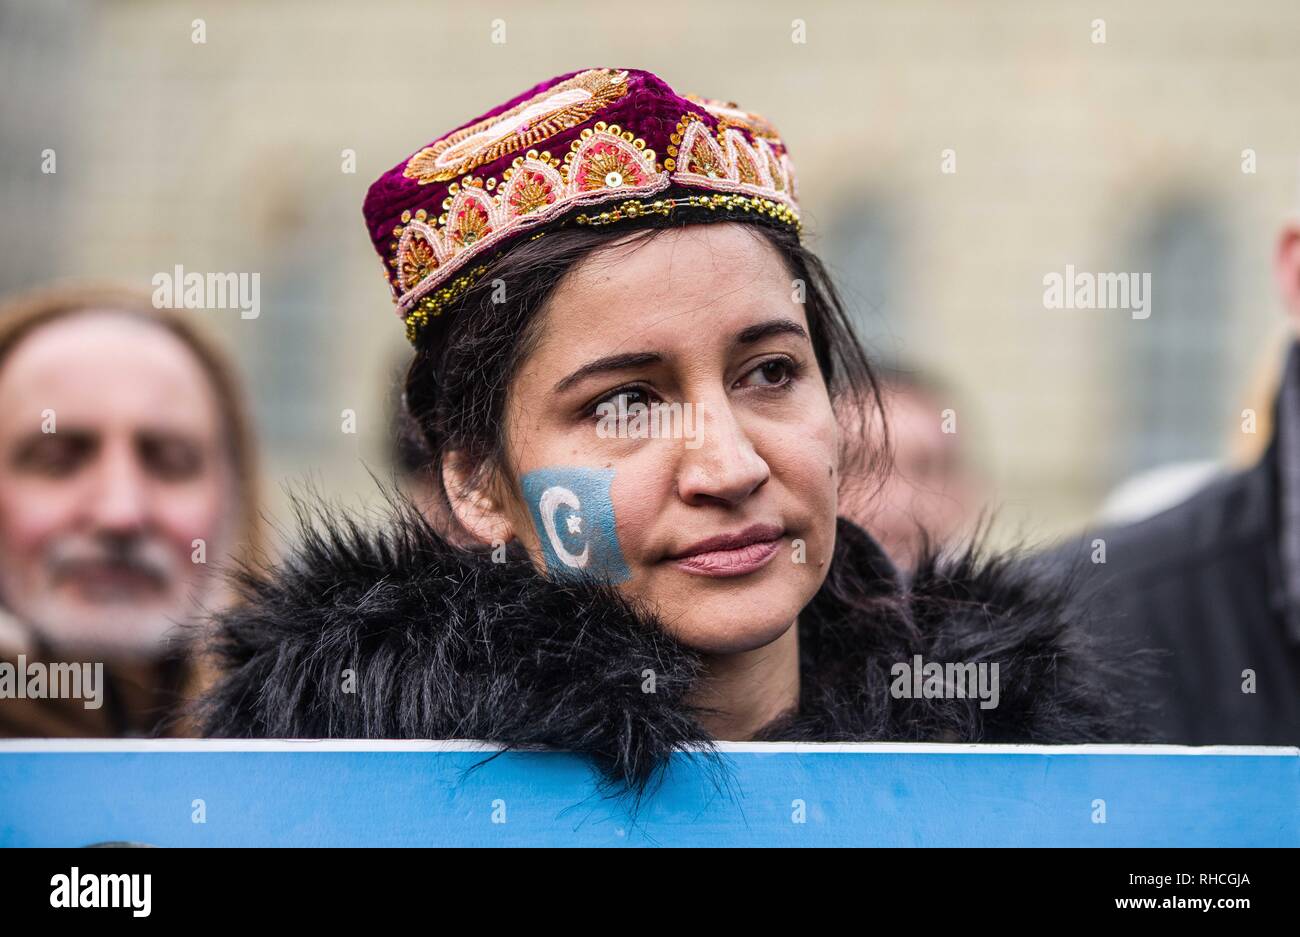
(476, 502)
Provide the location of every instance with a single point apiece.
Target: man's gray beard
(116, 631)
(143, 630)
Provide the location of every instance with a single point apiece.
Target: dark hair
(456, 385)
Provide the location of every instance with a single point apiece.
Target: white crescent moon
(552, 500)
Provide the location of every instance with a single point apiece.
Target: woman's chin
(725, 625)
(728, 614)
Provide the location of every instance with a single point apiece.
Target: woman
(628, 375)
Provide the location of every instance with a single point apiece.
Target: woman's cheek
(804, 459)
(574, 521)
(639, 494)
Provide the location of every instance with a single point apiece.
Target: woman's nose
(724, 467)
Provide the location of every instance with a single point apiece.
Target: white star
(575, 524)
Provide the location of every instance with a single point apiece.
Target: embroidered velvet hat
(602, 146)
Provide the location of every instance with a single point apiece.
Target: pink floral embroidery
(608, 165)
(533, 191)
(470, 224)
(603, 163)
(418, 260)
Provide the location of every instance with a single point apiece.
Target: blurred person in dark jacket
(126, 478)
(1212, 585)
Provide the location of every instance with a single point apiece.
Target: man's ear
(1286, 270)
(476, 503)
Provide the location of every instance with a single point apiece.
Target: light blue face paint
(574, 517)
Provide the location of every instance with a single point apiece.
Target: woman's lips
(730, 562)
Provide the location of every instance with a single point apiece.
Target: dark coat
(1202, 587)
(140, 697)
(447, 644)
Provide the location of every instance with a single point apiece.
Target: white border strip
(28, 746)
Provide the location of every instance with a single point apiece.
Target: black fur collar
(446, 644)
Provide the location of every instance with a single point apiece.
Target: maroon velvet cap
(598, 146)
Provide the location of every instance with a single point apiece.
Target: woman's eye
(772, 373)
(622, 400)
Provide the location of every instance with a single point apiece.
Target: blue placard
(358, 793)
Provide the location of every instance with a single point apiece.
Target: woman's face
(671, 431)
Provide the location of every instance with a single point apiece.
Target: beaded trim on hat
(432, 304)
(604, 163)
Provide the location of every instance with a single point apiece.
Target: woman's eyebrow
(632, 359)
(636, 359)
(764, 330)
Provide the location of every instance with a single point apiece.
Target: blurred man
(930, 494)
(1212, 585)
(126, 479)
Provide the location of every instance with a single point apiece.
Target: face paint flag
(574, 517)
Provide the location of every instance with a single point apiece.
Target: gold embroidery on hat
(417, 260)
(526, 124)
(703, 157)
(432, 304)
(729, 114)
(738, 173)
(608, 157)
(531, 192)
(774, 170)
(477, 213)
(639, 208)
(746, 169)
(470, 218)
